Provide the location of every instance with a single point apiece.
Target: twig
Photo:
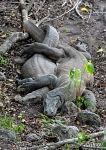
(51, 19)
(40, 7)
(53, 146)
(30, 5)
(41, 21)
(24, 12)
(89, 15)
(36, 33)
(77, 11)
(93, 147)
(64, 2)
(11, 40)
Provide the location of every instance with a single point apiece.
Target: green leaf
(72, 73)
(19, 128)
(81, 137)
(67, 147)
(84, 9)
(103, 144)
(77, 73)
(78, 82)
(89, 67)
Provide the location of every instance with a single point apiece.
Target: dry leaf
(84, 9)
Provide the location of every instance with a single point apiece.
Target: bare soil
(73, 29)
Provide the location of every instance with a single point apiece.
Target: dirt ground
(89, 32)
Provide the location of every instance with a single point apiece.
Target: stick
(6, 46)
(56, 18)
(36, 33)
(77, 11)
(30, 5)
(40, 7)
(53, 146)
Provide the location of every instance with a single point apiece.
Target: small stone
(6, 134)
(90, 99)
(2, 76)
(70, 108)
(18, 98)
(89, 118)
(81, 46)
(65, 132)
(31, 137)
(104, 18)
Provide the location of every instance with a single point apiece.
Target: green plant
(103, 143)
(10, 124)
(82, 136)
(3, 60)
(49, 122)
(75, 78)
(81, 102)
(89, 67)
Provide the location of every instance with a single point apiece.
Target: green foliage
(103, 143)
(67, 146)
(19, 128)
(74, 76)
(49, 122)
(3, 60)
(10, 124)
(81, 102)
(81, 137)
(89, 67)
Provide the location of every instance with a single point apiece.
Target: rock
(19, 60)
(31, 137)
(64, 132)
(90, 99)
(2, 76)
(70, 108)
(81, 46)
(18, 98)
(6, 134)
(104, 18)
(89, 118)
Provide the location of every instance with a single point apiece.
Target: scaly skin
(56, 61)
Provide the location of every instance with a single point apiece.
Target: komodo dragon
(48, 65)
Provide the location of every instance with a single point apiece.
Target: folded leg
(40, 48)
(33, 97)
(29, 85)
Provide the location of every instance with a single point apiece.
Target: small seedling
(74, 77)
(3, 60)
(81, 137)
(81, 102)
(103, 143)
(89, 67)
(9, 123)
(67, 146)
(49, 122)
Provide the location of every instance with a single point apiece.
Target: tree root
(53, 146)
(16, 36)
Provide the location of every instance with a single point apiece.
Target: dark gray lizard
(48, 66)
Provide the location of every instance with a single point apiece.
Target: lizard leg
(29, 85)
(41, 48)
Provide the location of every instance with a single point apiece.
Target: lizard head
(53, 101)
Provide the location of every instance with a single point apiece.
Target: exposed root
(53, 146)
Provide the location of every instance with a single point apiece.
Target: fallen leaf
(100, 50)
(84, 9)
